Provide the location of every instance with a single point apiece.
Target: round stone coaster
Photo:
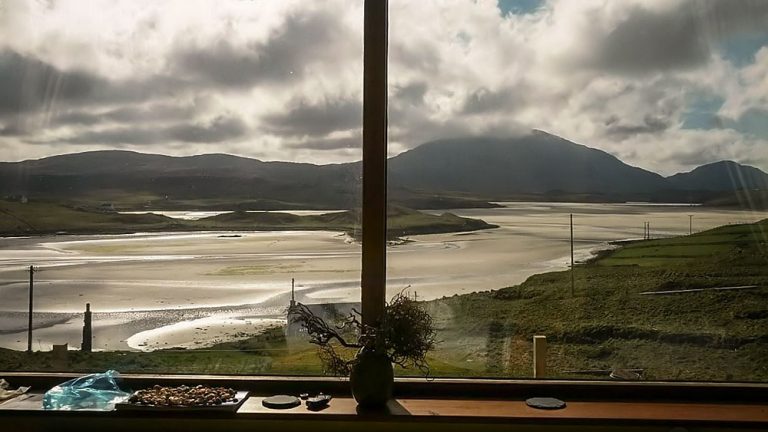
(545, 403)
(281, 402)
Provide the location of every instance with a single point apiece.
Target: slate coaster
(281, 402)
(545, 403)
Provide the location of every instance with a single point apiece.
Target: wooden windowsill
(448, 404)
(405, 409)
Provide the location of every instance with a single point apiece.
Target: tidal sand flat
(201, 333)
(159, 277)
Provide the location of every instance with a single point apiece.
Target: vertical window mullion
(373, 278)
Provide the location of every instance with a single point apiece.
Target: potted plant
(367, 354)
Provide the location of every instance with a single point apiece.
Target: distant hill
(538, 163)
(721, 176)
(137, 180)
(443, 174)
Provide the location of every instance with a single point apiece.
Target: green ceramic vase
(372, 379)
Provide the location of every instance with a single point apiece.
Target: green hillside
(37, 218)
(608, 323)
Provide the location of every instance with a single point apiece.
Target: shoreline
(149, 330)
(229, 276)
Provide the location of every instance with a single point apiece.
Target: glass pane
(645, 122)
(176, 165)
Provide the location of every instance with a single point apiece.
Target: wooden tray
(221, 408)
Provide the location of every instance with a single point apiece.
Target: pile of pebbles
(183, 396)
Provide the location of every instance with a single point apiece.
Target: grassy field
(607, 323)
(269, 353)
(604, 324)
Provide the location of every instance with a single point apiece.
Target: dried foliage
(405, 335)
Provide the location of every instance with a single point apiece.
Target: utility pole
(690, 224)
(32, 271)
(87, 345)
(572, 283)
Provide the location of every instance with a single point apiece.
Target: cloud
(483, 100)
(150, 113)
(724, 18)
(217, 130)
(316, 119)
(12, 130)
(131, 114)
(28, 84)
(412, 93)
(650, 124)
(348, 142)
(76, 118)
(283, 80)
(650, 41)
(420, 56)
(284, 57)
(638, 37)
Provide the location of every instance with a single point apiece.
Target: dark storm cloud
(76, 118)
(483, 100)
(329, 143)
(127, 114)
(220, 129)
(651, 41)
(316, 119)
(122, 135)
(422, 57)
(726, 17)
(650, 125)
(412, 93)
(12, 130)
(283, 57)
(27, 84)
(413, 127)
(151, 113)
(679, 38)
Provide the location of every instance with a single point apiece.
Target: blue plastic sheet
(92, 392)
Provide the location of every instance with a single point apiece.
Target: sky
(665, 85)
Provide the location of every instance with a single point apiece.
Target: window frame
(373, 283)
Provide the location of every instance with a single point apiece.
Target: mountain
(212, 180)
(538, 163)
(452, 173)
(721, 176)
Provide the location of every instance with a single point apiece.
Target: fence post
(539, 356)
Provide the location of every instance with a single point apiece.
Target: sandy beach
(156, 290)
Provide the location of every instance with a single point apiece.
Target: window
(637, 126)
(640, 121)
(187, 169)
